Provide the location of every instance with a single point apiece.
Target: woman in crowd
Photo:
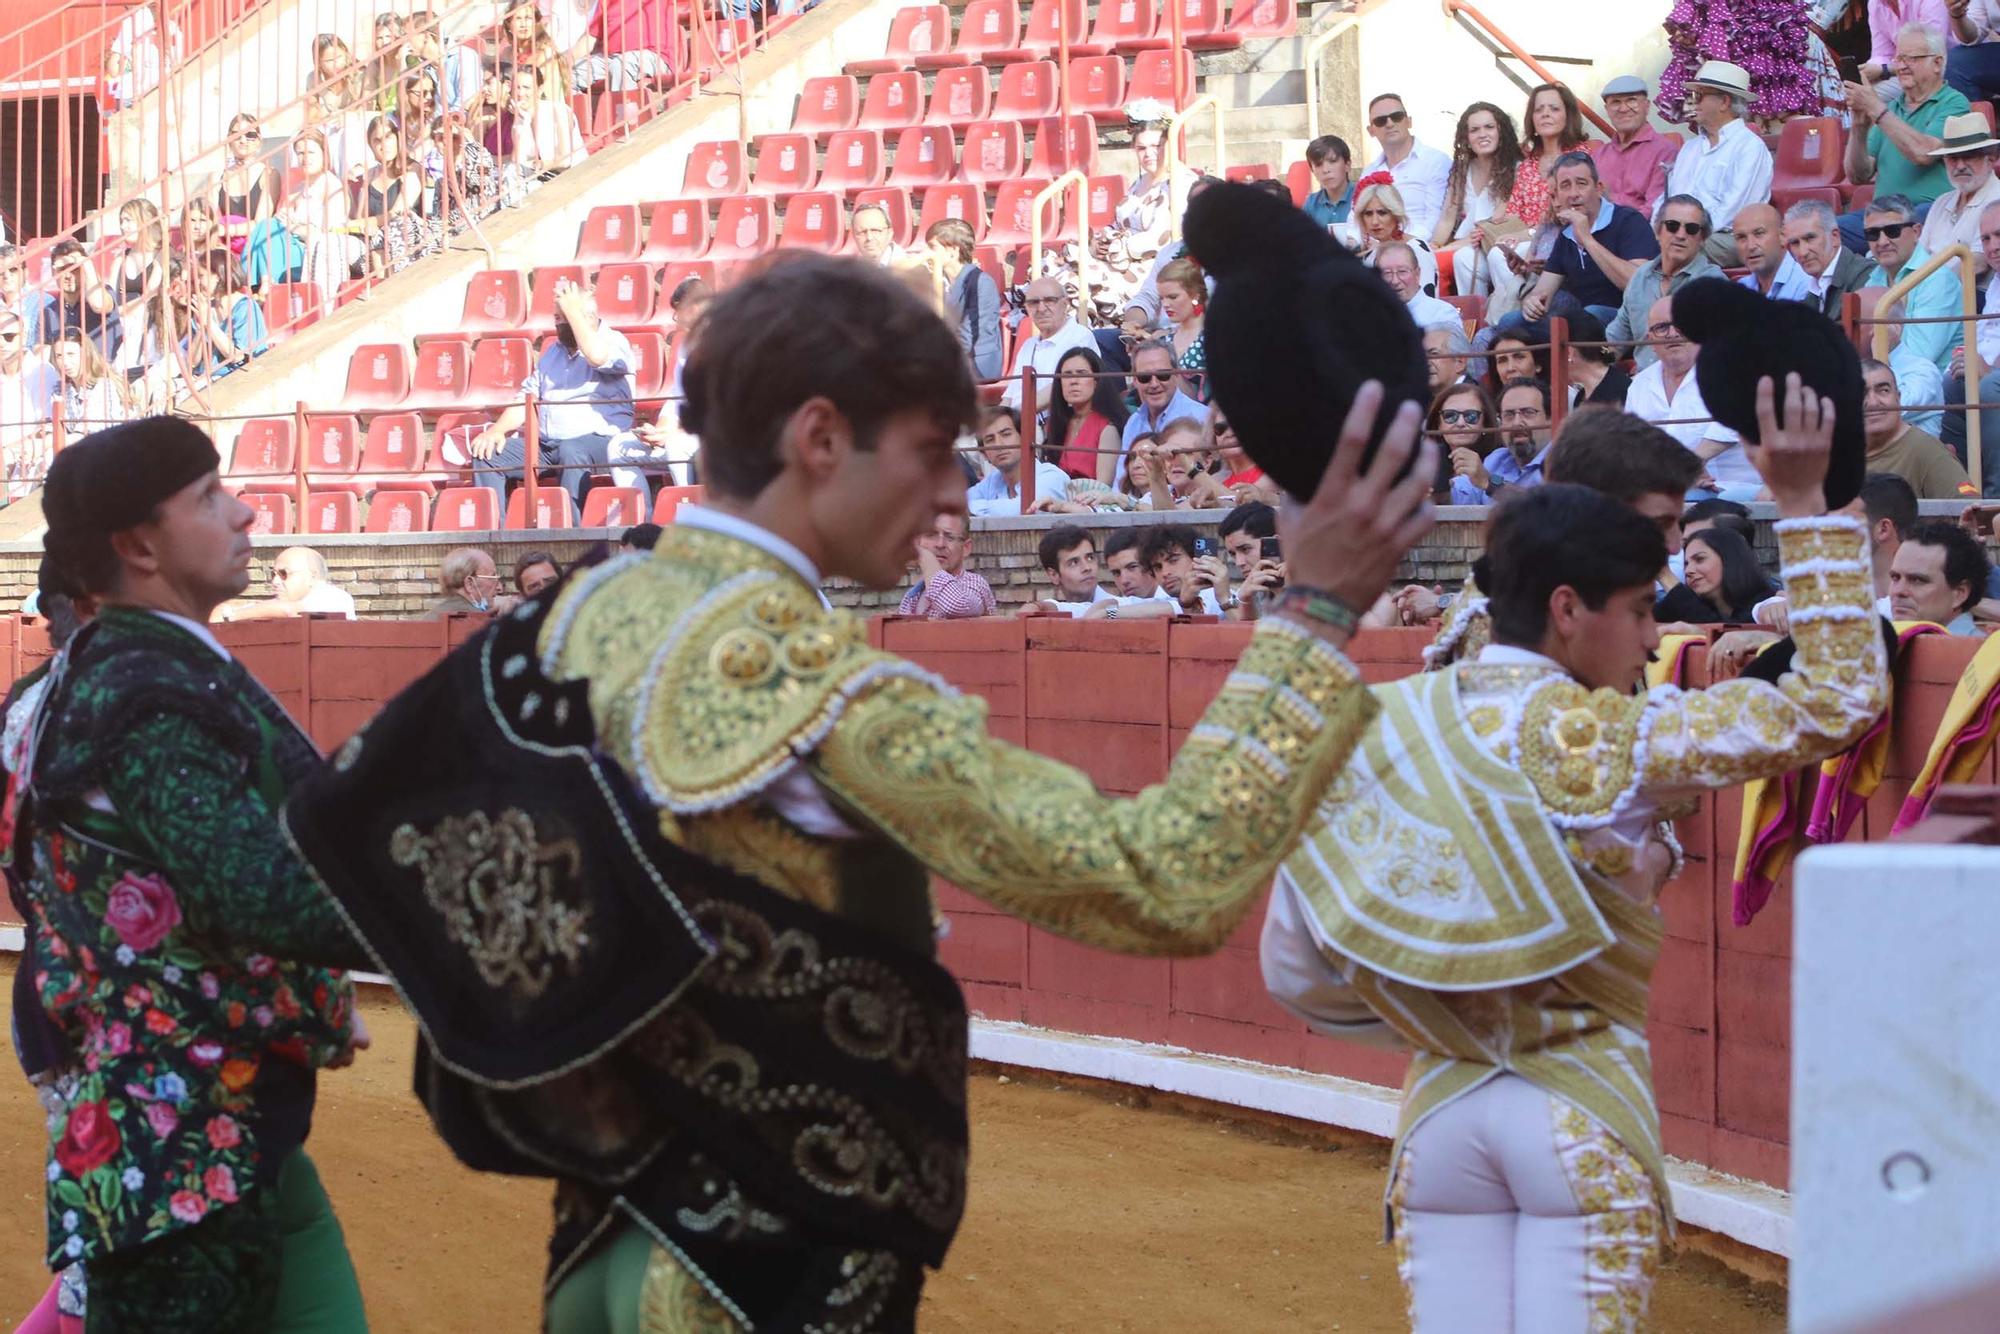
(1519, 354)
(92, 395)
(1183, 302)
(247, 190)
(492, 118)
(1554, 127)
(385, 67)
(1383, 216)
(529, 46)
(339, 86)
(1087, 416)
(228, 323)
(137, 273)
(1142, 222)
(316, 214)
(968, 297)
(1181, 476)
(473, 174)
(1721, 582)
(1242, 479)
(159, 341)
(1462, 420)
(1485, 160)
(1135, 484)
(423, 146)
(398, 233)
(201, 230)
(547, 138)
(1591, 367)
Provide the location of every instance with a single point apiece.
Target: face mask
(566, 336)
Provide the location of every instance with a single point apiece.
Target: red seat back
(1123, 21)
(1013, 213)
(468, 509)
(1251, 171)
(743, 227)
(552, 508)
(679, 230)
(893, 100)
(398, 512)
(993, 151)
(958, 200)
(333, 512)
(671, 498)
(1102, 199)
(264, 448)
(1028, 90)
(273, 512)
(1042, 20)
(439, 377)
(654, 361)
(960, 96)
(333, 444)
(827, 102)
(989, 25)
(625, 293)
(542, 302)
(614, 507)
(1198, 17)
(1053, 156)
(786, 163)
(918, 30)
(1809, 153)
(1264, 18)
(610, 235)
(500, 363)
(378, 375)
(1097, 83)
(1153, 76)
(290, 307)
(925, 155)
(714, 168)
(814, 220)
(395, 443)
(494, 299)
(1299, 177)
(854, 161)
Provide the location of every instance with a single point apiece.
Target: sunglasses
(1674, 227)
(249, 132)
(1462, 416)
(1388, 118)
(1892, 230)
(9, 335)
(1154, 377)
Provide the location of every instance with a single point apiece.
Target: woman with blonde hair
(92, 395)
(547, 138)
(1383, 217)
(316, 214)
(529, 46)
(1183, 303)
(137, 273)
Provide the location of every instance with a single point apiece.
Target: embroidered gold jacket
(1482, 879)
(720, 682)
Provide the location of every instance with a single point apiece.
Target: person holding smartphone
(1250, 535)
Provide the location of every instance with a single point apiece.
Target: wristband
(1316, 604)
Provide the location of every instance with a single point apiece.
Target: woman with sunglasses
(1462, 420)
(1379, 208)
(1087, 416)
(247, 190)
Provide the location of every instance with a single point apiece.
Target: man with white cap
(1967, 149)
(1633, 162)
(1727, 165)
(1892, 138)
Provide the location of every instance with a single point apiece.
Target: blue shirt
(1792, 283)
(30, 308)
(989, 495)
(1326, 211)
(1935, 296)
(1143, 423)
(1504, 470)
(577, 399)
(1618, 229)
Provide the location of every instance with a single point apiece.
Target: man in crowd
(1987, 344)
(1069, 558)
(1125, 562)
(28, 387)
(177, 1171)
(1760, 243)
(1602, 245)
(1449, 353)
(1895, 446)
(1890, 226)
(1939, 574)
(873, 236)
(1056, 331)
(534, 571)
(1420, 171)
(1524, 447)
(1892, 138)
(471, 584)
(945, 590)
(1397, 263)
(1725, 165)
(1158, 384)
(456, 69)
(82, 301)
(1244, 531)
(582, 385)
(1888, 505)
(999, 491)
(1812, 236)
(1198, 581)
(1967, 149)
(1682, 224)
(1635, 160)
(1332, 164)
(1919, 383)
(299, 578)
(1666, 393)
(1591, 364)
(16, 295)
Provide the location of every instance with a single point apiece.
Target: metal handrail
(1041, 200)
(1456, 8)
(1969, 311)
(1172, 145)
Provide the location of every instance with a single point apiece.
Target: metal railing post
(1558, 371)
(1456, 8)
(531, 466)
(1029, 415)
(301, 446)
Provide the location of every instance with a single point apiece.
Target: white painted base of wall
(1745, 1211)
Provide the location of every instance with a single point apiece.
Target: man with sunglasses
(1057, 333)
(17, 297)
(1894, 138)
(1683, 224)
(1158, 384)
(1524, 447)
(1726, 166)
(1421, 172)
(1890, 225)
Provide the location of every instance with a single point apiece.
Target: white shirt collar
(195, 628)
(766, 541)
(1506, 655)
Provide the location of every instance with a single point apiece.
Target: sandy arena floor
(1087, 1214)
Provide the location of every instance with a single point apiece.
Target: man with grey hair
(1893, 137)
(1396, 262)
(1056, 331)
(1812, 235)
(1967, 152)
(1726, 165)
(471, 584)
(299, 578)
(1890, 226)
(1449, 353)
(1682, 226)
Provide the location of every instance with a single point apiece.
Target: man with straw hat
(1726, 165)
(1967, 150)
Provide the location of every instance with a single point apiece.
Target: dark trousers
(1954, 434)
(1974, 70)
(578, 457)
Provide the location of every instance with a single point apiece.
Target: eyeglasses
(1462, 416)
(1674, 227)
(940, 535)
(1154, 377)
(1661, 330)
(1388, 118)
(1892, 230)
(1533, 415)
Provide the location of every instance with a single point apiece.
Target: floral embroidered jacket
(168, 923)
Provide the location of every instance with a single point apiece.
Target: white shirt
(990, 496)
(1044, 354)
(1733, 171)
(1430, 312)
(1076, 610)
(1421, 178)
(1989, 330)
(1948, 224)
(324, 599)
(1648, 400)
(1918, 380)
(26, 398)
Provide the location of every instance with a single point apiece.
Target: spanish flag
(1849, 779)
(1963, 738)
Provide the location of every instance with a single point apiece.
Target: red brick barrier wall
(1116, 699)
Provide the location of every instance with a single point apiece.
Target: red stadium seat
(1985, 109)
(1809, 154)
(960, 96)
(786, 164)
(625, 293)
(265, 447)
(1122, 21)
(613, 507)
(814, 220)
(895, 201)
(1050, 161)
(827, 103)
(1263, 20)
(332, 450)
(398, 512)
(854, 161)
(467, 509)
(552, 508)
(500, 362)
(1153, 77)
(655, 361)
(333, 512)
(714, 169)
(290, 307)
(610, 235)
(1202, 29)
(964, 202)
(671, 498)
(893, 101)
(444, 367)
(917, 30)
(1042, 39)
(1859, 197)
(273, 510)
(450, 437)
(994, 150)
(679, 231)
(495, 299)
(378, 376)
(1471, 308)
(1103, 198)
(1029, 90)
(393, 452)
(1251, 171)
(744, 226)
(985, 26)
(925, 155)
(542, 298)
(1299, 176)
(1097, 84)
(1013, 212)
(620, 112)
(673, 275)
(1783, 199)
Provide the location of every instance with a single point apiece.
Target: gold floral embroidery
(1576, 746)
(672, 1301)
(1615, 1195)
(505, 895)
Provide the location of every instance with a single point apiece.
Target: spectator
(582, 384)
(999, 491)
(547, 138)
(93, 396)
(874, 238)
(338, 83)
(1142, 223)
(201, 230)
(1720, 584)
(534, 571)
(1706, 514)
(315, 213)
(491, 119)
(1760, 242)
(1184, 469)
(1524, 446)
(248, 188)
(1600, 248)
(1634, 162)
(398, 233)
(1665, 393)
(82, 301)
(1591, 365)
(1551, 127)
(1463, 422)
(1892, 238)
(1967, 149)
(1478, 208)
(25, 303)
(28, 387)
(454, 69)
(162, 340)
(1886, 21)
(1636, 464)
(1895, 152)
(1142, 313)
(137, 274)
(1332, 164)
(947, 591)
(1189, 570)
(471, 583)
(1973, 64)
(665, 447)
(1384, 221)
(1069, 557)
(1918, 382)
(1242, 479)
(1135, 476)
(1086, 417)
(230, 321)
(636, 37)
(1161, 401)
(301, 587)
(528, 45)
(1420, 172)
(970, 296)
(1056, 331)
(1243, 533)
(1519, 354)
(473, 185)
(1726, 165)
(384, 68)
(641, 537)
(1939, 573)
(1953, 432)
(1397, 263)
(1183, 301)
(1895, 446)
(1812, 236)
(1682, 224)
(1125, 561)
(1449, 353)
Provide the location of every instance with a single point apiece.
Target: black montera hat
(112, 480)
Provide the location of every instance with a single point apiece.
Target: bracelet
(1316, 604)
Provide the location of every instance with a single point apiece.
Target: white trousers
(1516, 1213)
